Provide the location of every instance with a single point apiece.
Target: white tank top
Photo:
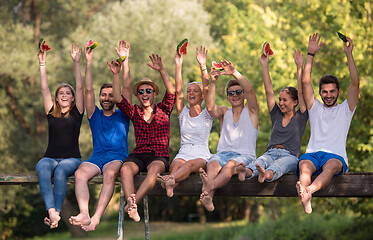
(238, 137)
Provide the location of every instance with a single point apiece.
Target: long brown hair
(56, 106)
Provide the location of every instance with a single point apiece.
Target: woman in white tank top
(195, 126)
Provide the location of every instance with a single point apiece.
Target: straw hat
(145, 81)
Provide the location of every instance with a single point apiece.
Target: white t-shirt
(238, 137)
(329, 128)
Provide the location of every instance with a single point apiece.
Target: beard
(332, 104)
(107, 107)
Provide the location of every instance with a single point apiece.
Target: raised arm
(201, 56)
(79, 91)
(249, 93)
(214, 110)
(353, 90)
(115, 69)
(158, 66)
(314, 45)
(271, 100)
(89, 96)
(124, 50)
(45, 92)
(298, 58)
(179, 101)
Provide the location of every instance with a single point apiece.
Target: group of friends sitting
(239, 127)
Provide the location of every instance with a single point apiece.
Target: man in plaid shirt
(152, 132)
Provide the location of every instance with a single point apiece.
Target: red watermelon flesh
(217, 66)
(43, 46)
(267, 49)
(92, 45)
(182, 47)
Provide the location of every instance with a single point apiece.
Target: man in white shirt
(330, 122)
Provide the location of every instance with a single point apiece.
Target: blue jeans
(279, 160)
(60, 169)
(223, 158)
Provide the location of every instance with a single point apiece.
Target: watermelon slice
(182, 46)
(43, 46)
(217, 66)
(267, 49)
(92, 45)
(121, 59)
(341, 36)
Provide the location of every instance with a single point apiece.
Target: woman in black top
(62, 157)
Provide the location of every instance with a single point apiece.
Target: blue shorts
(319, 159)
(223, 158)
(100, 162)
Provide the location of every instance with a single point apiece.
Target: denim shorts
(320, 158)
(223, 158)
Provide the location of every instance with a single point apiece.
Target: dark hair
(231, 83)
(292, 91)
(105, 85)
(328, 79)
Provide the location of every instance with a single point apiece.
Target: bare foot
(132, 210)
(206, 201)
(206, 184)
(92, 226)
(170, 184)
(129, 202)
(261, 171)
(54, 218)
(161, 179)
(241, 171)
(305, 197)
(80, 220)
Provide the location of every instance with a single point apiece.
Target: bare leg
(132, 210)
(127, 173)
(110, 173)
(330, 168)
(306, 169)
(85, 172)
(225, 174)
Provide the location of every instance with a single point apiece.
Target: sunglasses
(238, 92)
(142, 91)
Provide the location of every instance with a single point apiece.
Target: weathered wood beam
(356, 184)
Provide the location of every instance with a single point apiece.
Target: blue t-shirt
(109, 135)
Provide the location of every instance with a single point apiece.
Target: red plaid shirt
(154, 136)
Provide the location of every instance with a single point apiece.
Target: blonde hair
(56, 112)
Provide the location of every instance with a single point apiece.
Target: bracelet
(204, 69)
(311, 54)
(41, 64)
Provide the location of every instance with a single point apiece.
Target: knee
(126, 171)
(80, 175)
(110, 176)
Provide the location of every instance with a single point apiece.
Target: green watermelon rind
(121, 59)
(94, 45)
(181, 44)
(264, 47)
(40, 43)
(342, 37)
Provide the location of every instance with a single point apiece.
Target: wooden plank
(347, 185)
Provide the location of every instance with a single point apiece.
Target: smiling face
(194, 94)
(107, 99)
(64, 98)
(235, 99)
(329, 94)
(286, 102)
(145, 97)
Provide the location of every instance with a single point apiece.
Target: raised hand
(114, 66)
(298, 58)
(42, 56)
(156, 62)
(75, 52)
(348, 48)
(201, 55)
(214, 74)
(314, 43)
(124, 49)
(88, 52)
(264, 59)
(178, 58)
(228, 67)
